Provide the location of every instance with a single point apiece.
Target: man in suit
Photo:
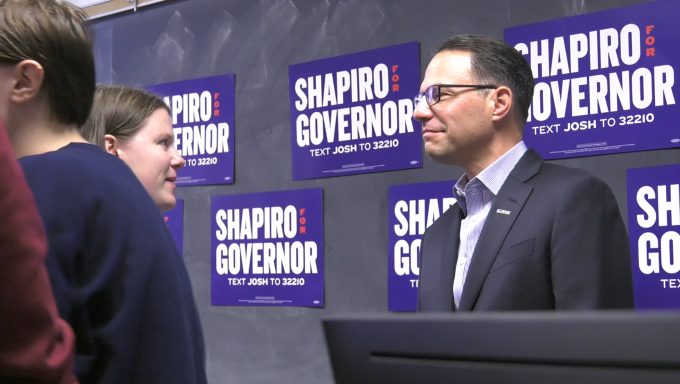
(525, 234)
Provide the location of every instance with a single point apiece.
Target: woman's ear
(111, 144)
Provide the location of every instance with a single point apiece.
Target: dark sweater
(116, 273)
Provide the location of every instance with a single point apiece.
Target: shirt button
(458, 193)
(474, 219)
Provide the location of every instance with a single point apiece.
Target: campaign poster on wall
(413, 208)
(653, 226)
(605, 81)
(268, 249)
(174, 218)
(202, 112)
(353, 114)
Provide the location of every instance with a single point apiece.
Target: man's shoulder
(556, 174)
(559, 183)
(77, 159)
(84, 175)
(80, 166)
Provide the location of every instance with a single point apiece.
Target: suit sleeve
(35, 344)
(590, 258)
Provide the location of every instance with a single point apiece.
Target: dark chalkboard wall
(257, 40)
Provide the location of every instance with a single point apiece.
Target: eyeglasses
(433, 93)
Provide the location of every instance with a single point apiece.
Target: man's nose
(422, 112)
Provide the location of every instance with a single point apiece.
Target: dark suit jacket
(562, 246)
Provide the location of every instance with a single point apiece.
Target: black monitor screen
(520, 347)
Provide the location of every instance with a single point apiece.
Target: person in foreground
(117, 277)
(135, 125)
(525, 234)
(35, 344)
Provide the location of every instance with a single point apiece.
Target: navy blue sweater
(116, 273)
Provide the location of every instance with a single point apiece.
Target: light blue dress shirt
(475, 198)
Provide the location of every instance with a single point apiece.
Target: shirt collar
(493, 176)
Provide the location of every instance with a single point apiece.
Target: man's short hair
(496, 62)
(57, 35)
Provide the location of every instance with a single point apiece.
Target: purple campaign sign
(605, 81)
(268, 249)
(413, 208)
(203, 124)
(653, 225)
(354, 114)
(174, 218)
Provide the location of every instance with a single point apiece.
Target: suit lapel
(437, 268)
(449, 255)
(504, 211)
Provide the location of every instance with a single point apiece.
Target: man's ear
(502, 99)
(111, 144)
(29, 76)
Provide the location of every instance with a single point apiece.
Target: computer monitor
(603, 347)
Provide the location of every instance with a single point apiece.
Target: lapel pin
(503, 212)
